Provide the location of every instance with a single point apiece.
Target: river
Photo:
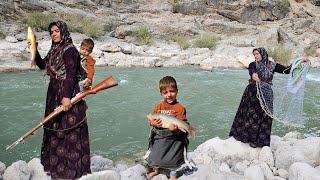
(117, 119)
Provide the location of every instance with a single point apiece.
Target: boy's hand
(173, 127)
(87, 83)
(156, 122)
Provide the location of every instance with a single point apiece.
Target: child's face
(169, 94)
(85, 50)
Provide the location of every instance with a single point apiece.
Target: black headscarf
(265, 67)
(56, 66)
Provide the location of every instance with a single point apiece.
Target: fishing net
(290, 108)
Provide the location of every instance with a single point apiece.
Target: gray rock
(300, 170)
(17, 170)
(11, 39)
(98, 163)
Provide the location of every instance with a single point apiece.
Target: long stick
(105, 84)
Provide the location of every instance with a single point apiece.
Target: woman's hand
(156, 122)
(305, 59)
(66, 104)
(255, 77)
(173, 127)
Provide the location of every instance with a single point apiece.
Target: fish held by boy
(168, 119)
(33, 46)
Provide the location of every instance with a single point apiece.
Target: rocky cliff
(238, 25)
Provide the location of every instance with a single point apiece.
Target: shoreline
(289, 157)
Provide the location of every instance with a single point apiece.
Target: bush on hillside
(311, 52)
(182, 40)
(284, 6)
(85, 25)
(206, 41)
(38, 21)
(281, 54)
(143, 35)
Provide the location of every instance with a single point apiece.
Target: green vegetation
(143, 35)
(85, 25)
(38, 21)
(281, 54)
(175, 6)
(284, 6)
(206, 41)
(182, 40)
(311, 52)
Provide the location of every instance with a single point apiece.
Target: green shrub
(175, 6)
(182, 40)
(284, 6)
(38, 21)
(143, 35)
(206, 41)
(85, 25)
(311, 52)
(280, 54)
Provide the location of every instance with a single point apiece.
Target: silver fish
(167, 120)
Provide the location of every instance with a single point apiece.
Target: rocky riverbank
(239, 26)
(291, 157)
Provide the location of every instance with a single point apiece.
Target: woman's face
(55, 34)
(257, 55)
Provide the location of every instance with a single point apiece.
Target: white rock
(102, 175)
(303, 171)
(266, 156)
(11, 39)
(253, 173)
(134, 172)
(36, 170)
(239, 168)
(230, 150)
(224, 167)
(283, 173)
(268, 174)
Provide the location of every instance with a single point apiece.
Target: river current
(117, 119)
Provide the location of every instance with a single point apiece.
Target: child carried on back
(87, 64)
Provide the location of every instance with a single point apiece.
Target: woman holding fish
(65, 152)
(168, 140)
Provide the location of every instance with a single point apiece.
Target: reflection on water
(117, 119)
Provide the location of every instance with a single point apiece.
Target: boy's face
(85, 50)
(169, 94)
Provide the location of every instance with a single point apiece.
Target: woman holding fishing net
(253, 121)
(65, 151)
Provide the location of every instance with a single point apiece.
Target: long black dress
(251, 124)
(65, 151)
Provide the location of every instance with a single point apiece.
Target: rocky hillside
(238, 25)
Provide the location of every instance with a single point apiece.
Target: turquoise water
(117, 117)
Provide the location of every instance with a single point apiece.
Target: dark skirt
(251, 124)
(167, 148)
(65, 152)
